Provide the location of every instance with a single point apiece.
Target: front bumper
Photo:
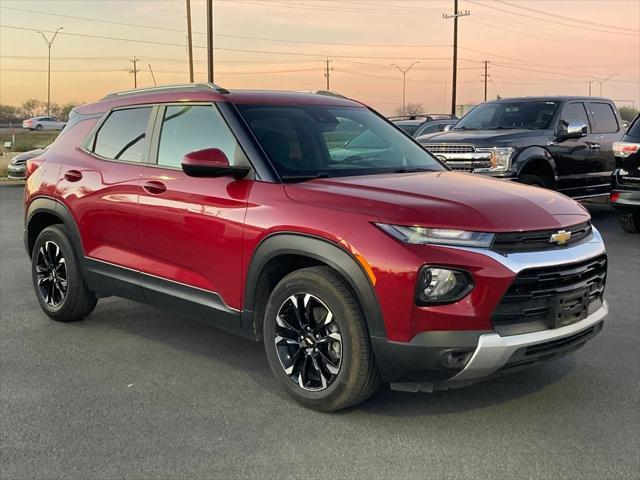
(16, 172)
(437, 360)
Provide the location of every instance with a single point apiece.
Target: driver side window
(574, 112)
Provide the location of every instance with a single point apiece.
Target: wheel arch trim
(320, 249)
(58, 209)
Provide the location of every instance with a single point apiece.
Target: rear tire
(630, 221)
(57, 278)
(317, 342)
(533, 180)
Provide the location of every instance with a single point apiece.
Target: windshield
(493, 116)
(320, 141)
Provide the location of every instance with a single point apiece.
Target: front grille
(551, 297)
(443, 148)
(538, 240)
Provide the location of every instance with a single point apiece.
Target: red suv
(354, 265)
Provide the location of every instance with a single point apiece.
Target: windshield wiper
(303, 178)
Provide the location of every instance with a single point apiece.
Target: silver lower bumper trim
(494, 351)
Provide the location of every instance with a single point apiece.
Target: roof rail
(185, 87)
(330, 93)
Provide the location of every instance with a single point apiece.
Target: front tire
(534, 180)
(630, 221)
(316, 341)
(39, 128)
(57, 278)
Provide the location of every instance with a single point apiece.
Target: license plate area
(570, 308)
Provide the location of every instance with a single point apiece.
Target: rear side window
(188, 128)
(634, 128)
(574, 112)
(604, 118)
(123, 135)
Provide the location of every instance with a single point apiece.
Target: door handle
(154, 187)
(594, 146)
(73, 176)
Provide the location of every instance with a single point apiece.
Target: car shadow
(217, 346)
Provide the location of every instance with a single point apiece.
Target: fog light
(442, 285)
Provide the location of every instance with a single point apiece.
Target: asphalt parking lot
(136, 392)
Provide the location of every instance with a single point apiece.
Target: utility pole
(189, 41)
(153, 77)
(590, 82)
(134, 71)
(404, 72)
(486, 78)
(49, 44)
(326, 72)
(455, 16)
(209, 41)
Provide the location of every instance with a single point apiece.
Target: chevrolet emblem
(560, 237)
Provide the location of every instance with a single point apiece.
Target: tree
(628, 113)
(411, 109)
(32, 107)
(9, 114)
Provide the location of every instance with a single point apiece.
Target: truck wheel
(534, 180)
(317, 342)
(57, 278)
(630, 222)
(39, 128)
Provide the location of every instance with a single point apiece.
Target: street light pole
(605, 80)
(49, 43)
(404, 72)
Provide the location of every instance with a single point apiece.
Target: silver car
(43, 123)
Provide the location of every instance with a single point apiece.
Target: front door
(574, 157)
(191, 228)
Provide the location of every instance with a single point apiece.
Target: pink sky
(534, 47)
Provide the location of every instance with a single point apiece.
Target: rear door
(191, 228)
(101, 186)
(607, 130)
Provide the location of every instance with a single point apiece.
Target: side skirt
(208, 307)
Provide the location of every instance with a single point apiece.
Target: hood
(487, 138)
(23, 157)
(444, 199)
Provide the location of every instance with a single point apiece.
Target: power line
(517, 14)
(582, 22)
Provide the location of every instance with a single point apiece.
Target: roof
(548, 98)
(211, 92)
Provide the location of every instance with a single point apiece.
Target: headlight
(438, 236)
(500, 159)
(437, 285)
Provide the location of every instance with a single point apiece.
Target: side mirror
(573, 130)
(448, 127)
(211, 162)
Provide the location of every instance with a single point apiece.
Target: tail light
(614, 196)
(32, 166)
(624, 149)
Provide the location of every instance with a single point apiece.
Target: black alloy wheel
(51, 272)
(308, 342)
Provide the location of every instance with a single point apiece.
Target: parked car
(43, 123)
(229, 206)
(435, 126)
(415, 125)
(17, 166)
(560, 143)
(625, 181)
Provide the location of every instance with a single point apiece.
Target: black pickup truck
(561, 143)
